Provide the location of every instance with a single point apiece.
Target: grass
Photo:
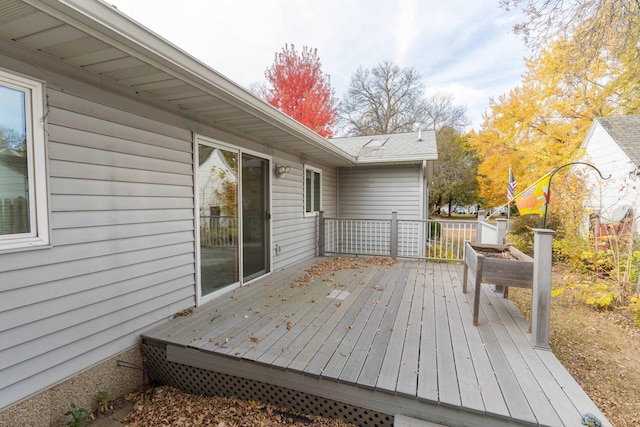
(600, 348)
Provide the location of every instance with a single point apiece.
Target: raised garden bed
(500, 265)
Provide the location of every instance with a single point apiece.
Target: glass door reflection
(218, 195)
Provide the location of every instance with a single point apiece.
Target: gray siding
(122, 255)
(294, 232)
(122, 244)
(373, 192)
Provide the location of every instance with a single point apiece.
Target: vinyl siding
(122, 255)
(292, 230)
(373, 192)
(122, 244)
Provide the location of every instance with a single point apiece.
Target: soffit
(95, 37)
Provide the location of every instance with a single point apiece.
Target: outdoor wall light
(280, 170)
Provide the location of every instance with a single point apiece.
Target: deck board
(380, 347)
(409, 362)
(309, 339)
(330, 342)
(360, 351)
(428, 378)
(388, 377)
(408, 345)
(492, 331)
(487, 381)
(468, 385)
(553, 395)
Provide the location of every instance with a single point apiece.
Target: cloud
(461, 47)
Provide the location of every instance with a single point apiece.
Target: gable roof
(625, 131)
(408, 147)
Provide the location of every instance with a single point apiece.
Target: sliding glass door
(233, 235)
(255, 221)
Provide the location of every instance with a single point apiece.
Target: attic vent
(376, 142)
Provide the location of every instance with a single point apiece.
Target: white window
(312, 190)
(24, 220)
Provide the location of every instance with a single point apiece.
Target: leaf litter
(599, 348)
(169, 406)
(172, 407)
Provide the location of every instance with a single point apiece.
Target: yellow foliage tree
(540, 124)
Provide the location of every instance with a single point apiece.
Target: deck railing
(218, 231)
(435, 240)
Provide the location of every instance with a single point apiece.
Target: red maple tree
(301, 90)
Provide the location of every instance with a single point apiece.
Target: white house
(117, 122)
(613, 146)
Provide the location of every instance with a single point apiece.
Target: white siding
(373, 192)
(122, 246)
(613, 196)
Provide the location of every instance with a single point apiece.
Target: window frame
(313, 171)
(39, 232)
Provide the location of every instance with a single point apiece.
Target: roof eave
(107, 24)
(393, 160)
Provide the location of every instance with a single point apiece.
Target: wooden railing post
(321, 233)
(541, 307)
(394, 235)
(501, 224)
(481, 217)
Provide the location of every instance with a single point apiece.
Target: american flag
(511, 188)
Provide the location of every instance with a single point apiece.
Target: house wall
(293, 231)
(122, 252)
(613, 196)
(122, 214)
(373, 192)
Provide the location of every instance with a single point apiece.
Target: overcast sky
(461, 47)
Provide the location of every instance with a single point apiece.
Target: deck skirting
(206, 382)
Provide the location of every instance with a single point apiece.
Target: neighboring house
(613, 146)
(118, 124)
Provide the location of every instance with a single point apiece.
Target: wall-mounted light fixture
(280, 170)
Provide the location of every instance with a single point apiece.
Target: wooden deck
(396, 339)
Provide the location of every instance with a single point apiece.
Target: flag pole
(509, 198)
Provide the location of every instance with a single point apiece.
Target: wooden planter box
(500, 265)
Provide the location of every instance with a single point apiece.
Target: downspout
(337, 214)
(424, 190)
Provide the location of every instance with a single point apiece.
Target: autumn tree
(455, 172)
(541, 123)
(387, 99)
(298, 87)
(597, 34)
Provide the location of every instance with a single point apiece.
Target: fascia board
(394, 160)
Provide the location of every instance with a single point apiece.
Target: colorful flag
(511, 187)
(533, 200)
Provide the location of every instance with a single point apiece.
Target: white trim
(38, 194)
(304, 191)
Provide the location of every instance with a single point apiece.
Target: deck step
(404, 421)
